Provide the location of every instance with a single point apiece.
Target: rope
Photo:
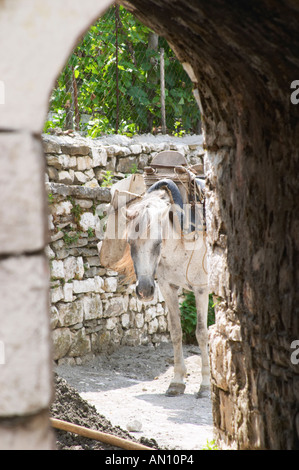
(136, 196)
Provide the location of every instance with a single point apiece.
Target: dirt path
(130, 385)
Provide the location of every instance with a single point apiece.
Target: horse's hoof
(204, 392)
(175, 389)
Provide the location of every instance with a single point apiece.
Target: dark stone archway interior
(245, 56)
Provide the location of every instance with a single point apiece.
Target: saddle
(172, 165)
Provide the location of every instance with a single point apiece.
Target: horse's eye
(137, 228)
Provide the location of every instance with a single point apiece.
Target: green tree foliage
(108, 77)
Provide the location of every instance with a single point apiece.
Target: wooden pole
(97, 435)
(76, 106)
(69, 106)
(152, 75)
(117, 23)
(162, 86)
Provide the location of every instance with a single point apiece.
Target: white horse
(157, 247)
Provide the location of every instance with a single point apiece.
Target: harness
(169, 169)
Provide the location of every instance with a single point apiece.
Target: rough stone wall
(26, 35)
(242, 60)
(91, 310)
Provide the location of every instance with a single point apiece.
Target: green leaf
(94, 65)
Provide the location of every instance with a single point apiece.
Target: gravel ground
(109, 393)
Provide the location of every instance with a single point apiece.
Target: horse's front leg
(170, 294)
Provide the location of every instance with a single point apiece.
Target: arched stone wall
(36, 39)
(242, 59)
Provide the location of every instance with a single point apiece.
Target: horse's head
(146, 220)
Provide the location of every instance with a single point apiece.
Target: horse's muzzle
(145, 289)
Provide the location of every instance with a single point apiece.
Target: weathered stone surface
(84, 163)
(125, 320)
(54, 161)
(22, 208)
(99, 157)
(92, 184)
(27, 99)
(101, 194)
(57, 269)
(56, 294)
(29, 433)
(61, 161)
(63, 208)
(81, 344)
(62, 341)
(68, 292)
(92, 307)
(54, 317)
(114, 150)
(80, 177)
(65, 177)
(88, 221)
(93, 261)
(110, 284)
(126, 164)
(136, 149)
(114, 307)
(26, 375)
(75, 150)
(163, 325)
(139, 320)
(70, 313)
(153, 326)
(111, 323)
(51, 146)
(84, 203)
(84, 286)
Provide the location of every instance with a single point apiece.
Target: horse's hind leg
(202, 301)
(177, 385)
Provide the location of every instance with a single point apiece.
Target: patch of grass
(189, 316)
(70, 238)
(107, 179)
(76, 210)
(210, 445)
(90, 232)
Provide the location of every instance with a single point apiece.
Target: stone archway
(36, 39)
(242, 60)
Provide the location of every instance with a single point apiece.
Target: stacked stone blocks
(92, 311)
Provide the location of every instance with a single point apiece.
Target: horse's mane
(125, 266)
(140, 212)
